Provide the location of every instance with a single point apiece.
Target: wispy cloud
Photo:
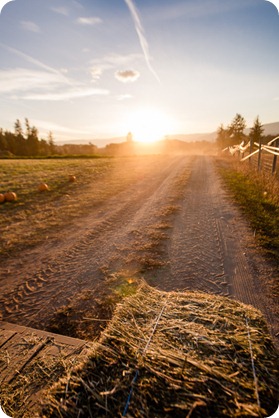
(115, 60)
(22, 80)
(96, 73)
(127, 76)
(44, 84)
(30, 59)
(41, 85)
(67, 95)
(50, 126)
(30, 26)
(89, 21)
(61, 10)
(141, 35)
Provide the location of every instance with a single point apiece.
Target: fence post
(275, 158)
(260, 154)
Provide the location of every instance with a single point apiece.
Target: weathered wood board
(35, 357)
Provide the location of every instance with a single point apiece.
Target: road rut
(176, 228)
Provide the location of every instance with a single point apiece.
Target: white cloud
(21, 79)
(96, 73)
(61, 10)
(67, 95)
(89, 20)
(30, 26)
(41, 85)
(127, 76)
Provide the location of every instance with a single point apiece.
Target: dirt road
(176, 227)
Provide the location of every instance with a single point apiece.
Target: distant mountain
(210, 137)
(100, 143)
(271, 128)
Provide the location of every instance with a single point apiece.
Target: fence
(266, 155)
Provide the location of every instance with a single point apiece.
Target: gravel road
(176, 227)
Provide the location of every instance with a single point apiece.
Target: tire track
(105, 241)
(212, 249)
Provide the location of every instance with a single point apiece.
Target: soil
(176, 228)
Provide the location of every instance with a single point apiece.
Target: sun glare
(148, 125)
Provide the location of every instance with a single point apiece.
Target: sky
(87, 69)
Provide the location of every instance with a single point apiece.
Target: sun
(148, 125)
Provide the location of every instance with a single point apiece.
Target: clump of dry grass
(174, 354)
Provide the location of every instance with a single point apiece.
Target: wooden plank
(35, 357)
(5, 336)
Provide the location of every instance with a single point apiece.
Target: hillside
(269, 129)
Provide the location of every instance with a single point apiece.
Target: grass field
(257, 193)
(35, 215)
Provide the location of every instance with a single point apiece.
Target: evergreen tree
(3, 141)
(51, 144)
(223, 137)
(256, 133)
(236, 129)
(19, 143)
(33, 142)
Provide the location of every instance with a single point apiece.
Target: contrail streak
(30, 59)
(140, 32)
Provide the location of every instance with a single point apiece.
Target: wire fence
(263, 157)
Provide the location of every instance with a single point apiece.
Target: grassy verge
(258, 196)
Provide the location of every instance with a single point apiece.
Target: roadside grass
(257, 194)
(36, 216)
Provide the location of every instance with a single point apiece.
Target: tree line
(25, 142)
(234, 134)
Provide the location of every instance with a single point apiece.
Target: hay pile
(174, 355)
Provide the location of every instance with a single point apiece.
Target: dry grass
(175, 354)
(257, 194)
(35, 216)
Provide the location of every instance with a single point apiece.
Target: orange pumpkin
(10, 196)
(43, 187)
(72, 179)
(2, 198)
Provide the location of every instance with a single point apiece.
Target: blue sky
(88, 69)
